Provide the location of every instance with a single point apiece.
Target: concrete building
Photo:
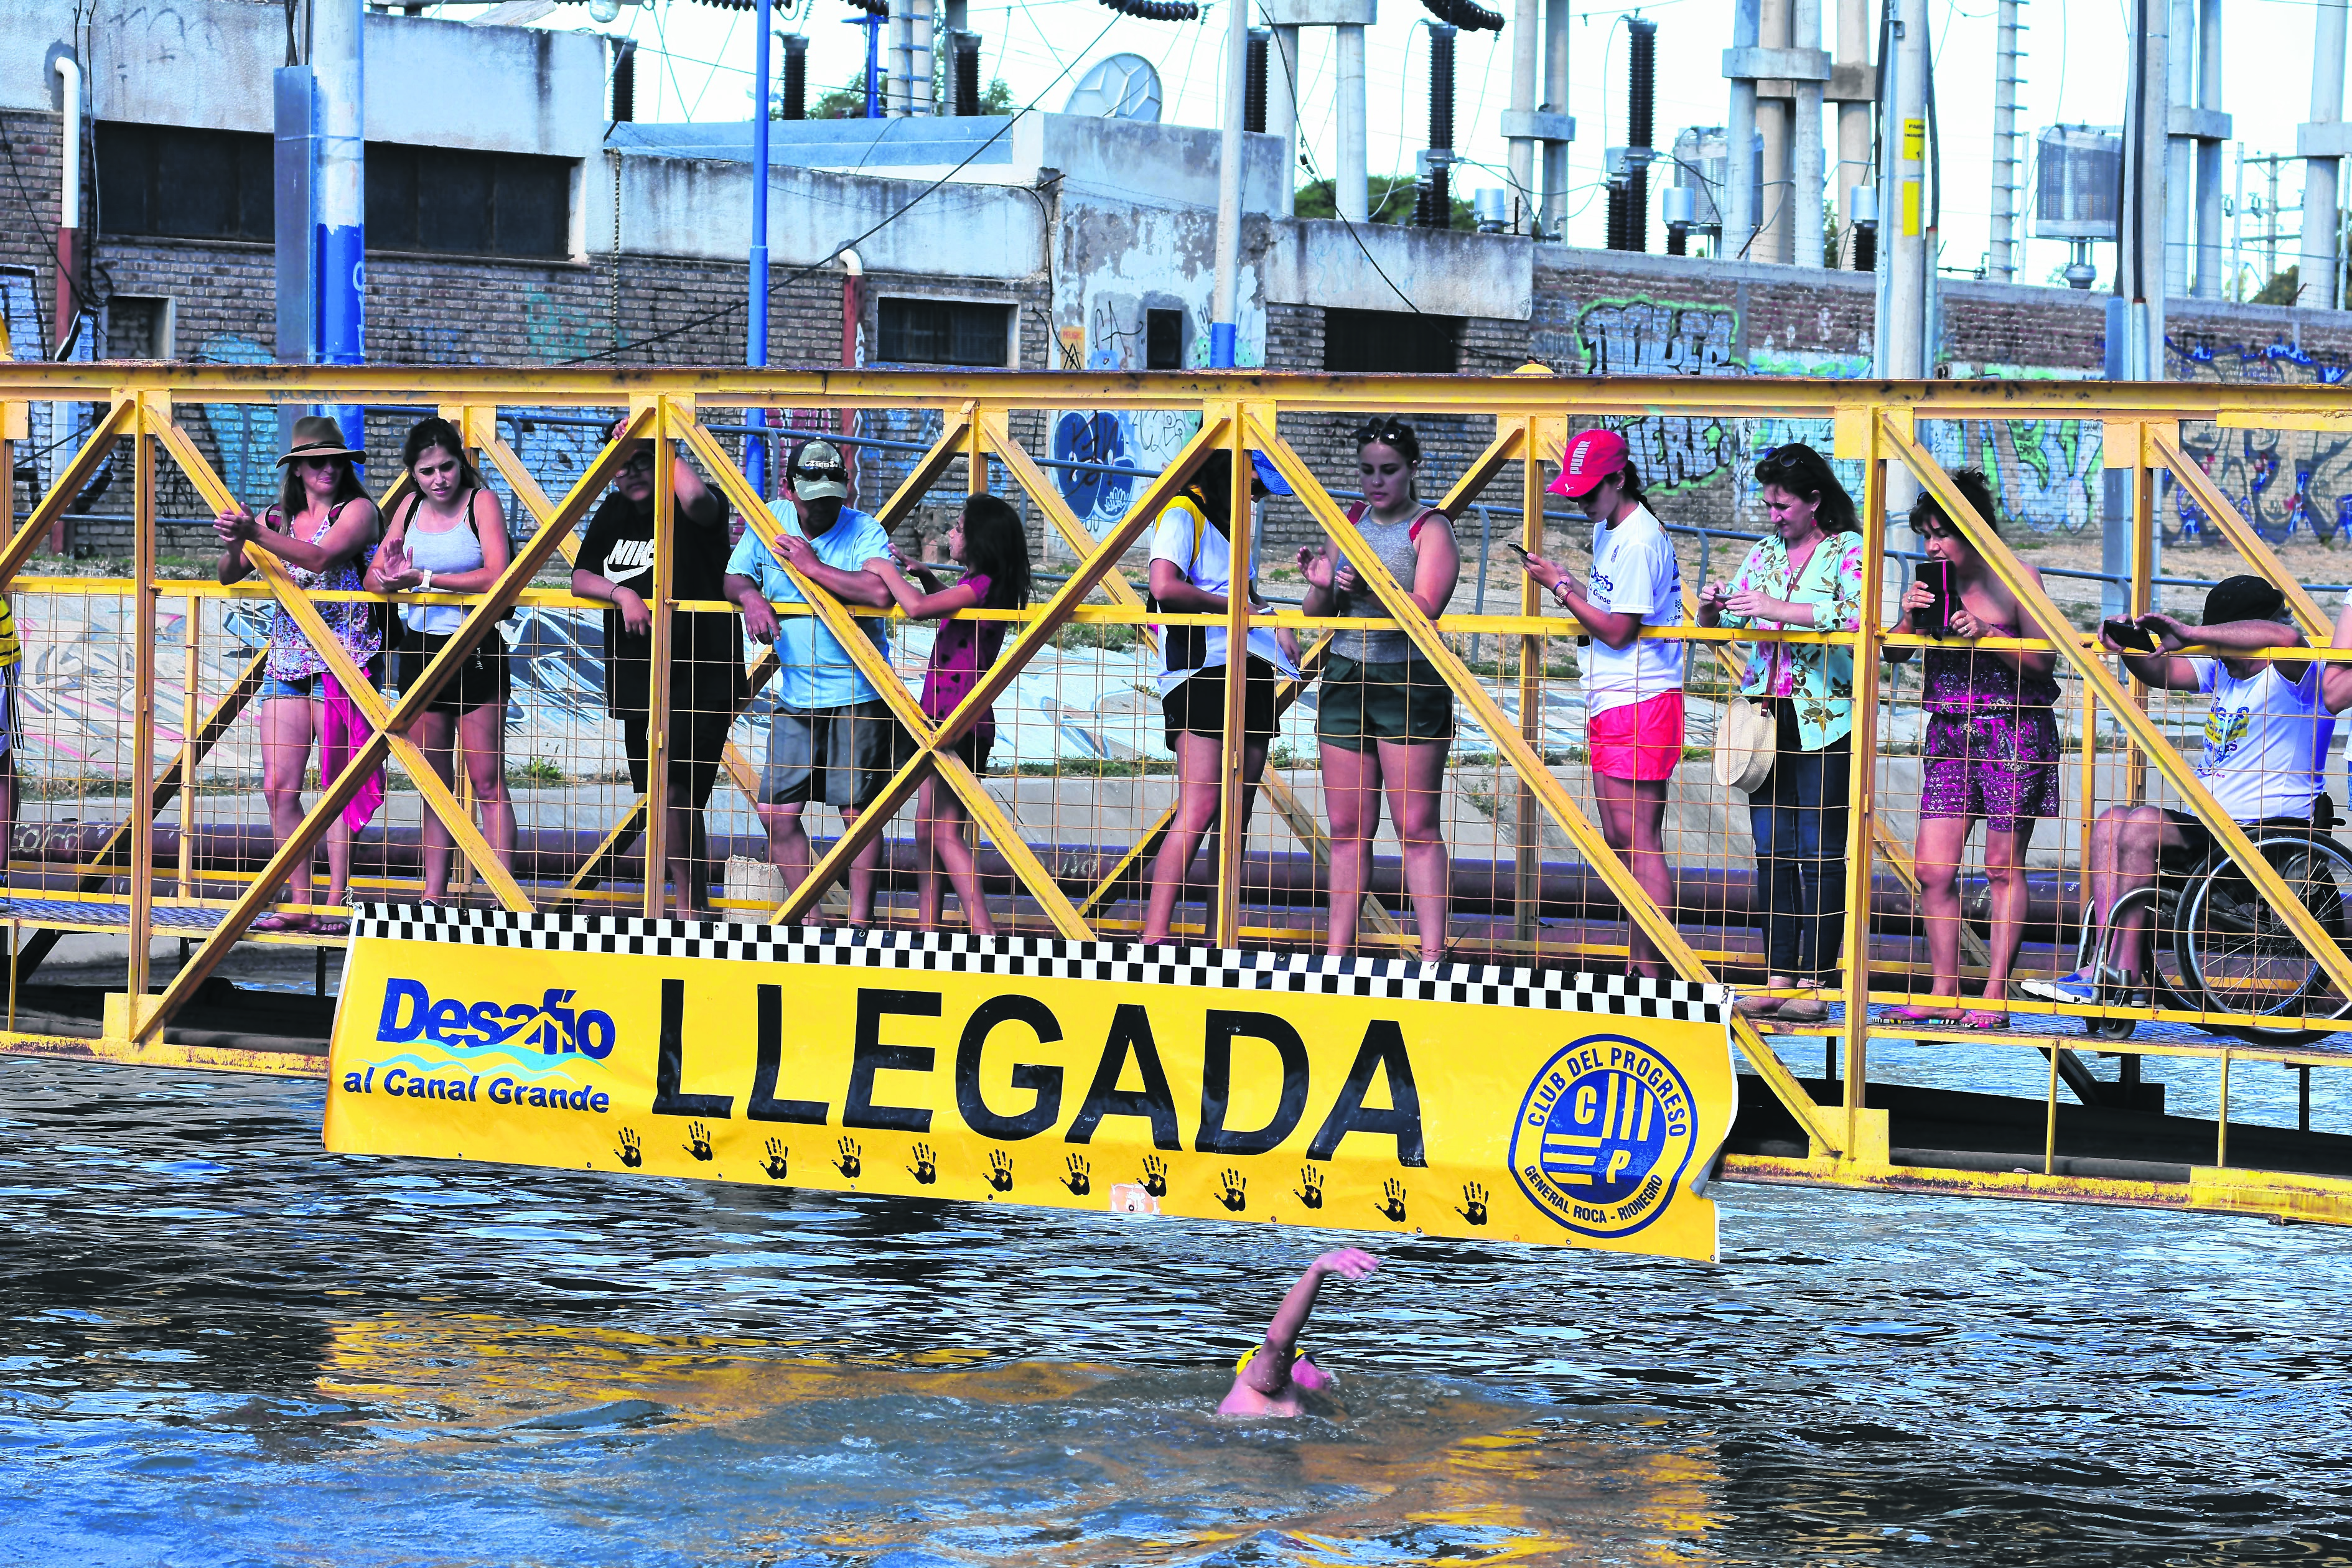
(510, 222)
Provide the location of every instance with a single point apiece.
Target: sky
(1040, 48)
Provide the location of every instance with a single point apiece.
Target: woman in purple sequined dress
(1990, 752)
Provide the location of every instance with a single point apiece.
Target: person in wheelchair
(2266, 740)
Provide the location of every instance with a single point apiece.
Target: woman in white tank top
(450, 537)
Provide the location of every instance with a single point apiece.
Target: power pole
(2322, 142)
(337, 63)
(2000, 263)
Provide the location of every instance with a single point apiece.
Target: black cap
(2243, 598)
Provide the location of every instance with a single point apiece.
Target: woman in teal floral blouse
(1805, 576)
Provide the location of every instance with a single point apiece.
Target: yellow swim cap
(1297, 1355)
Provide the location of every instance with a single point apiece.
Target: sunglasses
(1385, 431)
(839, 476)
(643, 463)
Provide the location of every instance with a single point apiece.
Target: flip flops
(1951, 1017)
(288, 923)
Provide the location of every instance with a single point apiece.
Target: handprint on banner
(777, 1165)
(924, 1170)
(1155, 1175)
(699, 1144)
(1474, 1198)
(1392, 1191)
(1310, 1186)
(1077, 1181)
(1000, 1170)
(632, 1155)
(1235, 1195)
(849, 1165)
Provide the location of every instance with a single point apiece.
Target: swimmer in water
(1276, 1379)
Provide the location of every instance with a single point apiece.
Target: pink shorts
(1639, 739)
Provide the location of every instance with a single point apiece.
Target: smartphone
(1515, 548)
(1935, 620)
(2131, 636)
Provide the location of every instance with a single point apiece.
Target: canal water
(224, 1346)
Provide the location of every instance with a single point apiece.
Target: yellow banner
(1373, 1095)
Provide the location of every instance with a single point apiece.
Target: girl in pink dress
(987, 540)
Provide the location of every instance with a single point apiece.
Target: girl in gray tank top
(1383, 715)
(1397, 545)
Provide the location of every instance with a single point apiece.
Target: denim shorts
(305, 689)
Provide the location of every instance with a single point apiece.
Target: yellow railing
(1523, 421)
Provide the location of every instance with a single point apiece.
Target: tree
(2283, 289)
(848, 102)
(1392, 197)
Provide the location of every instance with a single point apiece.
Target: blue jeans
(1799, 818)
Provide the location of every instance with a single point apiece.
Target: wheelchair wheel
(2241, 958)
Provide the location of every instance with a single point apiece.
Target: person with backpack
(1192, 574)
(449, 536)
(1385, 715)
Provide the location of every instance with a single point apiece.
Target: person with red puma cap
(1632, 684)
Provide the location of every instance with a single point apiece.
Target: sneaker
(2080, 987)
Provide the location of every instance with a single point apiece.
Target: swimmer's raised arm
(1268, 1372)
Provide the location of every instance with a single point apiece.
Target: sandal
(1907, 1015)
(330, 928)
(280, 924)
(1759, 1006)
(1978, 1018)
(1803, 1010)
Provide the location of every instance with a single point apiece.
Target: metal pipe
(1225, 305)
(68, 255)
(1254, 101)
(1641, 123)
(1773, 227)
(796, 75)
(2179, 149)
(1555, 101)
(965, 99)
(2001, 257)
(1520, 160)
(1292, 879)
(894, 81)
(1805, 170)
(2317, 276)
(1853, 119)
(1739, 140)
(1282, 115)
(2208, 284)
(1351, 195)
(756, 279)
(338, 62)
(1435, 203)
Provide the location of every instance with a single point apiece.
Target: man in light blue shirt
(831, 738)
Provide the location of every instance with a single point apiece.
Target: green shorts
(1360, 703)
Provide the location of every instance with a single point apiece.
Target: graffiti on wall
(1126, 444)
(2045, 470)
(2288, 484)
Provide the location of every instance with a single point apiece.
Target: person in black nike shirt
(616, 565)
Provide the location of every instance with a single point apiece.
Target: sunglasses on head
(1385, 431)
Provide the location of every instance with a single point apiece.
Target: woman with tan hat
(320, 530)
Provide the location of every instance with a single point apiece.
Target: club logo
(1603, 1136)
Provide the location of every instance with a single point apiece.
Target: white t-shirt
(2266, 740)
(1634, 573)
(1211, 571)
